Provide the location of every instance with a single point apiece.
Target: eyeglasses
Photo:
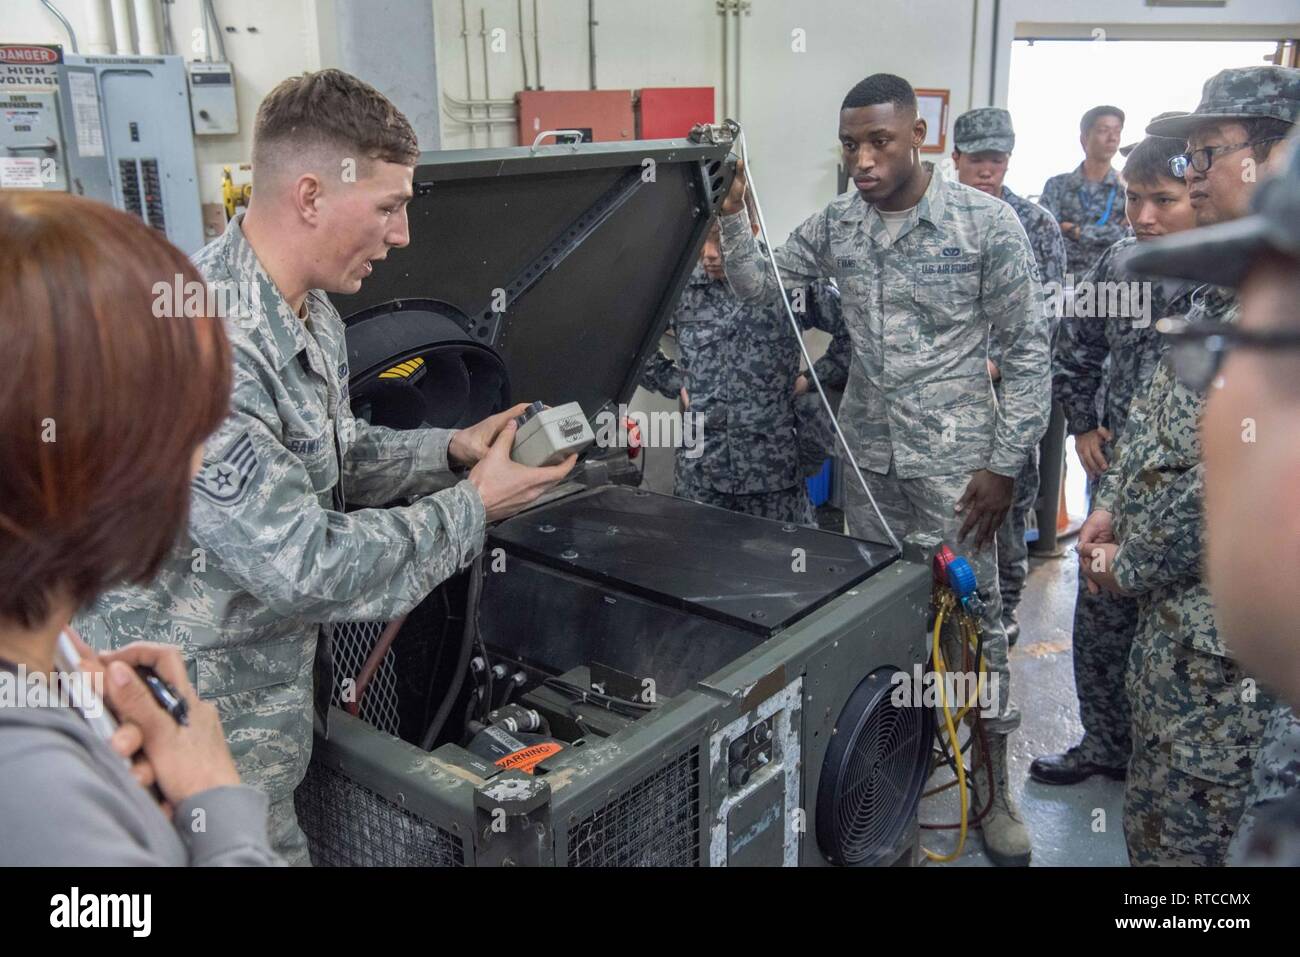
(1198, 349)
(1201, 160)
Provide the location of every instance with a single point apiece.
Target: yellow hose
(937, 662)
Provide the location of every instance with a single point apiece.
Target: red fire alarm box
(600, 115)
(669, 112)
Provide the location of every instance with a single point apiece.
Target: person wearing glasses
(1100, 363)
(1197, 723)
(1252, 373)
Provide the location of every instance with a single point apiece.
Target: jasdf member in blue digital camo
(927, 269)
(1106, 354)
(983, 140)
(1088, 201)
(273, 560)
(1198, 723)
(736, 378)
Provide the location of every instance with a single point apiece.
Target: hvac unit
(627, 678)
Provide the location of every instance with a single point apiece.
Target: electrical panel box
(212, 98)
(31, 140)
(127, 131)
(600, 115)
(669, 112)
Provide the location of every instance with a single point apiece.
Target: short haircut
(102, 403)
(1266, 128)
(881, 88)
(334, 111)
(1149, 161)
(1096, 113)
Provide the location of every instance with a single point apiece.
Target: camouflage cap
(1244, 93)
(982, 130)
(1125, 150)
(1223, 254)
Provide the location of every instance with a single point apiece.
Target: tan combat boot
(1006, 839)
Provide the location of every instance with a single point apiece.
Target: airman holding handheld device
(277, 558)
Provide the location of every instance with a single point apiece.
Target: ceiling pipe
(537, 49)
(146, 28)
(123, 40)
(58, 15)
(98, 29)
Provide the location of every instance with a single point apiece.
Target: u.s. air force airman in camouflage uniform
(1106, 353)
(1197, 722)
(983, 140)
(919, 412)
(272, 559)
(738, 368)
(272, 556)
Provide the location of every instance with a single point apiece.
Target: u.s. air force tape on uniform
(227, 480)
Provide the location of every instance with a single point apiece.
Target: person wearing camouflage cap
(1128, 148)
(983, 140)
(1105, 356)
(1197, 725)
(1251, 495)
(1088, 201)
(1243, 113)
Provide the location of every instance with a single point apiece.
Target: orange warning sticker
(528, 758)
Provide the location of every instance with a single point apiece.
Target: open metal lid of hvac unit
(545, 273)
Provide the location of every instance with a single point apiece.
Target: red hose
(373, 661)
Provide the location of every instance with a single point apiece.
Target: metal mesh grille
(654, 823)
(353, 642)
(348, 825)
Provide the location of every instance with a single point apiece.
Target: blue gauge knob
(961, 578)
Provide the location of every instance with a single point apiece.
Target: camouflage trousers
(1013, 550)
(287, 838)
(1276, 776)
(925, 505)
(784, 505)
(1194, 743)
(1104, 626)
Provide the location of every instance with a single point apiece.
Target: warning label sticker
(85, 114)
(19, 172)
(528, 758)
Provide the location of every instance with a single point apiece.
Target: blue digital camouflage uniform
(1013, 552)
(272, 557)
(1197, 723)
(919, 411)
(1105, 355)
(1098, 208)
(738, 365)
(1276, 779)
(1269, 829)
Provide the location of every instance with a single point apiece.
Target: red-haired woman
(104, 408)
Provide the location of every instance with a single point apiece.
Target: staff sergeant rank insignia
(226, 480)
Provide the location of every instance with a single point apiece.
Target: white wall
(789, 101)
(286, 42)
